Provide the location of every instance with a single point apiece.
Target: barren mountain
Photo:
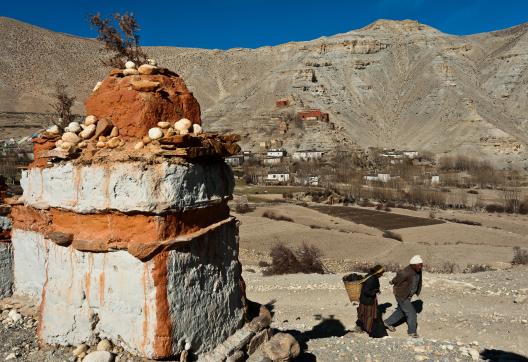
(395, 84)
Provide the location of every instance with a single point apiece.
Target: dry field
(343, 240)
(378, 219)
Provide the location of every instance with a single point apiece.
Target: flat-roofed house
(307, 155)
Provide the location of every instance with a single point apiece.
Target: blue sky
(226, 24)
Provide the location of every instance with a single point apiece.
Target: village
(273, 164)
(278, 166)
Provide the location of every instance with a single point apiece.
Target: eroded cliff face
(123, 230)
(390, 84)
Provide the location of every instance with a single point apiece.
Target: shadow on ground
(418, 305)
(495, 355)
(382, 308)
(328, 327)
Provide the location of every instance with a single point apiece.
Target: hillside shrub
(383, 207)
(520, 256)
(243, 208)
(62, 106)
(305, 259)
(309, 257)
(274, 216)
(392, 235)
(523, 207)
(494, 208)
(446, 268)
(476, 268)
(365, 203)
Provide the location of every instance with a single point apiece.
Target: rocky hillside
(392, 84)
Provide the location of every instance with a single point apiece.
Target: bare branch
(121, 41)
(62, 106)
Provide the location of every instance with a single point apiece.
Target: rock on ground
(99, 356)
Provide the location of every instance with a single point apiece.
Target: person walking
(406, 283)
(369, 319)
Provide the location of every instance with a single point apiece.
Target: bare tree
(512, 192)
(121, 39)
(62, 106)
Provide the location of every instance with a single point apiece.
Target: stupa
(123, 230)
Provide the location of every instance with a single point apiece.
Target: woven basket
(353, 288)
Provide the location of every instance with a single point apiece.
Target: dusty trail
(458, 310)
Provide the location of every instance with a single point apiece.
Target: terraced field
(379, 219)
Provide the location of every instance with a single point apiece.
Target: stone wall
(147, 256)
(6, 254)
(6, 269)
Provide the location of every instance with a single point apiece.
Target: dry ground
(460, 311)
(475, 309)
(462, 314)
(343, 241)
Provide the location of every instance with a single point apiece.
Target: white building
(411, 154)
(276, 152)
(278, 177)
(272, 160)
(307, 180)
(392, 154)
(248, 155)
(307, 155)
(435, 180)
(382, 177)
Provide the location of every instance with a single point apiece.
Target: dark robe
(369, 317)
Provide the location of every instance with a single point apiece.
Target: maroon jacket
(403, 283)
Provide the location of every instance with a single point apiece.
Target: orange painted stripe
(163, 334)
(116, 230)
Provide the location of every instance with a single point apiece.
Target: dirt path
(463, 308)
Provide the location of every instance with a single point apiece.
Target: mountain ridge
(398, 84)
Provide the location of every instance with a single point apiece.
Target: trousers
(405, 310)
